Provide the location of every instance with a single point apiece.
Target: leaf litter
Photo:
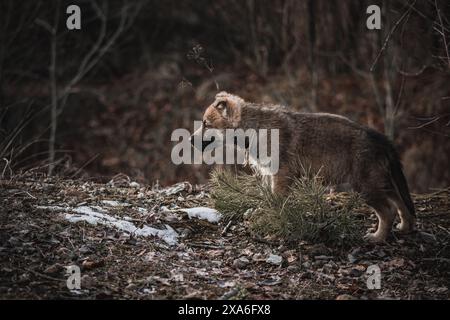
(49, 224)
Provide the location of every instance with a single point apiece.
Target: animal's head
(223, 113)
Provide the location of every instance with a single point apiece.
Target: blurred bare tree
(127, 63)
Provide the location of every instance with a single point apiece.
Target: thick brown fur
(342, 150)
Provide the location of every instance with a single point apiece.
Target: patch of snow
(165, 209)
(98, 216)
(52, 208)
(176, 188)
(94, 210)
(79, 292)
(114, 203)
(204, 213)
(274, 259)
(134, 184)
(148, 291)
(227, 284)
(142, 211)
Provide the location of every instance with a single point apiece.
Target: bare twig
(430, 121)
(412, 74)
(54, 93)
(388, 37)
(227, 227)
(444, 39)
(426, 123)
(400, 95)
(376, 93)
(84, 166)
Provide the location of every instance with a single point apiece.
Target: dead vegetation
(209, 261)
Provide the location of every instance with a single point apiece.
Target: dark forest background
(104, 100)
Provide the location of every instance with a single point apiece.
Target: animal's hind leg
(385, 212)
(407, 220)
(280, 182)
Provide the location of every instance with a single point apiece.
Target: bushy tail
(399, 181)
(385, 146)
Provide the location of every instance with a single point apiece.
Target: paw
(374, 238)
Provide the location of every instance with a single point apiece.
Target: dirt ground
(39, 237)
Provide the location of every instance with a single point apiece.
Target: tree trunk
(312, 47)
(54, 97)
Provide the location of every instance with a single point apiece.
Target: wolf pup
(341, 150)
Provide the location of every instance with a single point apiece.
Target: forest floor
(136, 242)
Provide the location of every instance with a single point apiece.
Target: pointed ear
(228, 96)
(222, 94)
